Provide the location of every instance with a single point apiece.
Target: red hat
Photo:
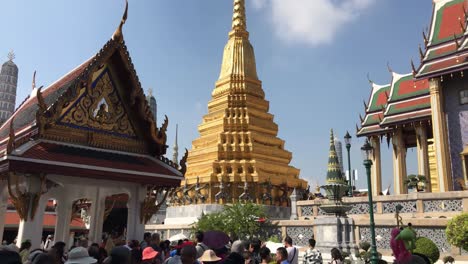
(149, 253)
(186, 243)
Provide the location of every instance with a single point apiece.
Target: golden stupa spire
(238, 70)
(239, 19)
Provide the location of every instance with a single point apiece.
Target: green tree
(457, 231)
(239, 221)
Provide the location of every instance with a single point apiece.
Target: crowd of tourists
(151, 250)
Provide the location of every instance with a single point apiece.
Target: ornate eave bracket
(23, 198)
(155, 198)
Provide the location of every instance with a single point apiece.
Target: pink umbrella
(215, 239)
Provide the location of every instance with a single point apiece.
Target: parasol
(215, 239)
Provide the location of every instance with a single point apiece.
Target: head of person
(147, 237)
(120, 255)
(312, 243)
(188, 254)
(209, 256)
(43, 258)
(180, 242)
(281, 254)
(265, 254)
(199, 236)
(288, 241)
(80, 255)
(336, 254)
(25, 245)
(149, 254)
(255, 245)
(155, 239)
(93, 251)
(238, 247)
(9, 257)
(59, 248)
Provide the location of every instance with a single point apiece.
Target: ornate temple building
(238, 156)
(8, 83)
(426, 109)
(90, 143)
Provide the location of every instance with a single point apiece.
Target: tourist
(176, 259)
(118, 255)
(209, 256)
(24, 250)
(93, 251)
(312, 255)
(201, 247)
(79, 255)
(336, 256)
(248, 257)
(188, 255)
(146, 240)
(155, 241)
(48, 242)
(42, 258)
(293, 252)
(9, 257)
(254, 248)
(33, 255)
(237, 248)
(282, 256)
(57, 251)
(149, 256)
(265, 255)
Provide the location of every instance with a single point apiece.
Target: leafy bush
(457, 231)
(239, 221)
(364, 245)
(426, 247)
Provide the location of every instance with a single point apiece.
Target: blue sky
(312, 56)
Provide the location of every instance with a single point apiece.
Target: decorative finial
(413, 67)
(389, 68)
(34, 80)
(150, 92)
(421, 53)
(425, 38)
(369, 79)
(239, 19)
(118, 32)
(334, 169)
(365, 106)
(11, 55)
(456, 41)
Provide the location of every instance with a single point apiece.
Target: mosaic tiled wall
(300, 234)
(457, 123)
(382, 234)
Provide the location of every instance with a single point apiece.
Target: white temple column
(422, 153)
(98, 207)
(376, 169)
(63, 220)
(399, 162)
(135, 228)
(3, 207)
(31, 229)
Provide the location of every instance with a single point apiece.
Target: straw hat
(209, 256)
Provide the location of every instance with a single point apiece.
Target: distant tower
(175, 155)
(339, 152)
(8, 83)
(153, 105)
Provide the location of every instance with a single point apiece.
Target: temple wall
(457, 123)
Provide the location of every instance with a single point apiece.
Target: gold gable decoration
(99, 108)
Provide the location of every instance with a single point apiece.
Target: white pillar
(3, 207)
(399, 162)
(98, 207)
(135, 228)
(376, 169)
(423, 154)
(32, 229)
(63, 220)
(293, 198)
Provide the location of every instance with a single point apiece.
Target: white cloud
(313, 22)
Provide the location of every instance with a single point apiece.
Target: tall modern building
(153, 105)
(339, 152)
(8, 83)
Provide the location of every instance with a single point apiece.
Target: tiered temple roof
(446, 46)
(403, 100)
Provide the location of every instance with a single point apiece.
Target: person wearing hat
(209, 256)
(149, 256)
(79, 255)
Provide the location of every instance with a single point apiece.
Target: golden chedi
(238, 156)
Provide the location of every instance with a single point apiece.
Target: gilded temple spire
(334, 171)
(239, 19)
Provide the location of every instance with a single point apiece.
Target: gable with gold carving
(99, 108)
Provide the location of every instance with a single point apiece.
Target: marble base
(335, 232)
(189, 214)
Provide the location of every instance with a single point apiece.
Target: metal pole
(350, 182)
(374, 256)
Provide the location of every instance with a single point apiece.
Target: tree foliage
(239, 221)
(457, 231)
(426, 247)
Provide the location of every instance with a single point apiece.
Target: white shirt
(293, 255)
